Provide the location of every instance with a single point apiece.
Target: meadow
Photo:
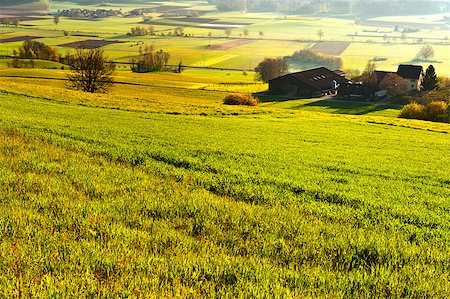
(117, 196)
(157, 189)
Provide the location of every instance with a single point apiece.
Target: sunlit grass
(270, 205)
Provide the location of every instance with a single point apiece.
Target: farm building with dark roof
(379, 76)
(314, 82)
(413, 75)
(409, 71)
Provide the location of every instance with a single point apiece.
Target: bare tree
(151, 30)
(368, 75)
(209, 38)
(91, 71)
(320, 33)
(404, 37)
(246, 32)
(426, 52)
(178, 31)
(394, 84)
(228, 32)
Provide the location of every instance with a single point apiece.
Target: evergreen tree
(430, 81)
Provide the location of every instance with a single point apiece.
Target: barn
(314, 82)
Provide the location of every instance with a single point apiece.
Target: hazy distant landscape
(230, 149)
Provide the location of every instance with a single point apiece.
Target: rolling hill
(98, 194)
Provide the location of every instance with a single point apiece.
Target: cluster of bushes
(437, 111)
(179, 31)
(10, 22)
(150, 60)
(440, 94)
(241, 99)
(142, 31)
(309, 58)
(35, 50)
(30, 50)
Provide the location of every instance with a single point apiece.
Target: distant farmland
(22, 7)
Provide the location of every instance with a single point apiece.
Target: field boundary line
(116, 82)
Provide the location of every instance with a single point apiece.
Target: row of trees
(150, 30)
(142, 31)
(10, 22)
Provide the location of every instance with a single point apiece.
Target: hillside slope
(104, 202)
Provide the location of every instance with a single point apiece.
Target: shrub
(241, 99)
(412, 111)
(31, 49)
(437, 111)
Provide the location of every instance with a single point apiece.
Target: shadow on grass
(348, 107)
(417, 60)
(267, 98)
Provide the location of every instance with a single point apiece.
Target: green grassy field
(126, 194)
(156, 189)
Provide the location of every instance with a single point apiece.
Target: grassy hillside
(281, 203)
